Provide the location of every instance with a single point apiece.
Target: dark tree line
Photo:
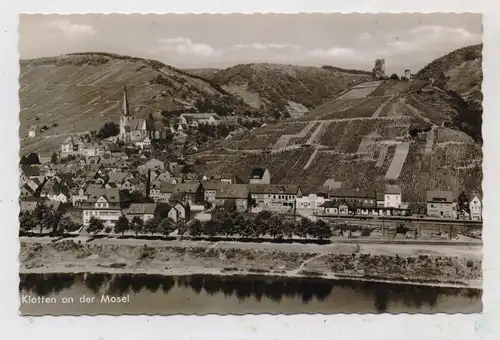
(255, 226)
(43, 218)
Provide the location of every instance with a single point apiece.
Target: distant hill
(87, 89)
(278, 87)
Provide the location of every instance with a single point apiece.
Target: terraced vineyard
(345, 136)
(264, 137)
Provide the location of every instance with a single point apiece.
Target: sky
(405, 41)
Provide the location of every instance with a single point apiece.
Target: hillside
(376, 133)
(460, 73)
(285, 88)
(79, 92)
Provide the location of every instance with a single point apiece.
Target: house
(475, 207)
(78, 196)
(195, 119)
(103, 204)
(191, 193)
(441, 204)
(335, 208)
(56, 191)
(179, 212)
(90, 149)
(143, 143)
(146, 211)
(275, 196)
(154, 190)
(163, 177)
(154, 164)
(26, 191)
(260, 176)
(129, 184)
(72, 146)
(210, 189)
(392, 196)
(32, 132)
(311, 202)
(357, 195)
(237, 195)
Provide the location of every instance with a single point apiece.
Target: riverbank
(430, 266)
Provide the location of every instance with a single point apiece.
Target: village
(116, 183)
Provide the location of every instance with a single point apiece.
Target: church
(135, 129)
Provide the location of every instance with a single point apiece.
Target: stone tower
(408, 74)
(125, 118)
(379, 69)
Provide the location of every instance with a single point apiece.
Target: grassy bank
(338, 262)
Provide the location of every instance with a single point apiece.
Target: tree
(166, 226)
(32, 159)
(53, 158)
(181, 227)
(195, 228)
(394, 76)
(27, 221)
(151, 226)
(66, 225)
(276, 227)
(227, 226)
(322, 230)
(121, 225)
(137, 224)
(109, 129)
(305, 227)
(463, 201)
(95, 226)
(42, 215)
(210, 228)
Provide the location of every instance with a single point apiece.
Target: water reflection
(276, 289)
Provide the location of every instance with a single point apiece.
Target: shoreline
(453, 267)
(467, 284)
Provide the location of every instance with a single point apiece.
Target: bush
(366, 232)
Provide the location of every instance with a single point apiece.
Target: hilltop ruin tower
(407, 74)
(379, 69)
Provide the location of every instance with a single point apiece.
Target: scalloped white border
(440, 326)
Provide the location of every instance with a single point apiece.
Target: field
(361, 108)
(263, 137)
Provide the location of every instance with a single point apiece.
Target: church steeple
(125, 102)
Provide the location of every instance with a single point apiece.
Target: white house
(103, 204)
(476, 208)
(177, 212)
(32, 131)
(392, 196)
(311, 202)
(194, 119)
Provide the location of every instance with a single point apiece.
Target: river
(78, 294)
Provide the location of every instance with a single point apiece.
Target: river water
(77, 294)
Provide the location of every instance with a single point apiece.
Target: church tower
(125, 118)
